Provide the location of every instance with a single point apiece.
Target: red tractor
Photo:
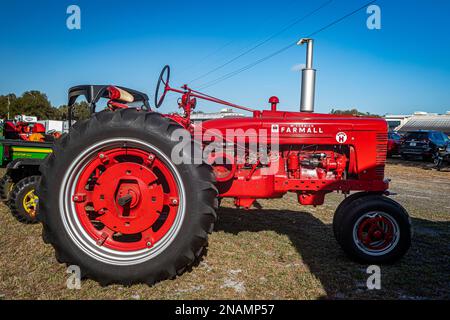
(117, 201)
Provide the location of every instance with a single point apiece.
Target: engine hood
(298, 123)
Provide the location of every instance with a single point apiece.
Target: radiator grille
(381, 150)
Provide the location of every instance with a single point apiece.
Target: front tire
(375, 229)
(117, 206)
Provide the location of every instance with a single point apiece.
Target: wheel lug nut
(151, 158)
(79, 197)
(148, 244)
(174, 202)
(103, 158)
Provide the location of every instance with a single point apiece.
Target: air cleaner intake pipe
(308, 86)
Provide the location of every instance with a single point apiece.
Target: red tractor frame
(114, 202)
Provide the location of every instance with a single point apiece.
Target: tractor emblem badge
(341, 137)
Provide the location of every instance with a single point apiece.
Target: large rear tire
(116, 205)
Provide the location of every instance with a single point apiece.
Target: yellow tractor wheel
(23, 200)
(30, 201)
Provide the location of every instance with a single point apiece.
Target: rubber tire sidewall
(375, 203)
(5, 186)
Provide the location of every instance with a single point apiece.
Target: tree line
(353, 112)
(36, 103)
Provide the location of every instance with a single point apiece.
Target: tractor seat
(118, 94)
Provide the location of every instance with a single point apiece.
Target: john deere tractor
(22, 158)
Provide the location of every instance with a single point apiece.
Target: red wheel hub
(376, 233)
(126, 199)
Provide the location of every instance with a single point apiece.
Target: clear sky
(402, 68)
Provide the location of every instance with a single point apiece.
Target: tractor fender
(19, 163)
(21, 168)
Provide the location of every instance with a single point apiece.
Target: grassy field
(282, 251)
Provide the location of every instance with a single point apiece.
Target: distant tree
(80, 111)
(32, 103)
(35, 103)
(354, 112)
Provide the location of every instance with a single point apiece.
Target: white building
(395, 121)
(427, 121)
(419, 121)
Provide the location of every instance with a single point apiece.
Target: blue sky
(403, 67)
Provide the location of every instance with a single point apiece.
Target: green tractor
(22, 159)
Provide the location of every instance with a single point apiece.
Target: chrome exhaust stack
(308, 86)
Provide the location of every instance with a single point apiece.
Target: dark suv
(422, 143)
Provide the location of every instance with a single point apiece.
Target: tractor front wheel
(117, 204)
(23, 200)
(374, 229)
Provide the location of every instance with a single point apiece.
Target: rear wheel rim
(376, 233)
(123, 201)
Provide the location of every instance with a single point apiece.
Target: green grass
(283, 251)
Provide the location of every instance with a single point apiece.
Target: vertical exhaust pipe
(308, 86)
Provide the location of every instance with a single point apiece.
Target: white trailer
(55, 125)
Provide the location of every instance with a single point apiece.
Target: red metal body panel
(365, 142)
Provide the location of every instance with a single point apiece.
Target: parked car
(422, 143)
(394, 142)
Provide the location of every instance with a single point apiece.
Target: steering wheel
(164, 79)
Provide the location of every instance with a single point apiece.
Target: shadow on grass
(423, 273)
